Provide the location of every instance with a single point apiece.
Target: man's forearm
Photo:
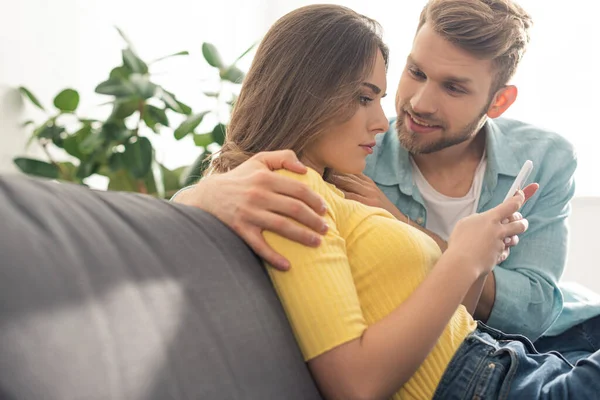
(486, 299)
(472, 297)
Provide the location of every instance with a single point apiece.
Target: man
(447, 155)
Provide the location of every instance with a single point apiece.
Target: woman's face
(344, 147)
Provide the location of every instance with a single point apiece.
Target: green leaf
(92, 143)
(49, 131)
(181, 53)
(121, 181)
(115, 130)
(115, 87)
(121, 72)
(232, 74)
(133, 62)
(212, 56)
(248, 50)
(86, 168)
(27, 123)
(67, 100)
(211, 94)
(68, 171)
(203, 140)
(194, 172)
(171, 178)
(185, 109)
(116, 161)
(59, 140)
(189, 125)
(138, 157)
(172, 103)
(142, 86)
(37, 167)
(218, 134)
(153, 116)
(72, 142)
(124, 107)
(25, 92)
(125, 38)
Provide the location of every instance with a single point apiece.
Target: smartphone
(520, 179)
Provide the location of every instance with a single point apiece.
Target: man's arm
(480, 298)
(527, 299)
(251, 198)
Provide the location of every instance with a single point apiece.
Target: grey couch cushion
(109, 295)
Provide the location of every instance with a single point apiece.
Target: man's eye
(416, 73)
(454, 89)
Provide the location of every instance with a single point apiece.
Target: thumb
(281, 159)
(530, 190)
(509, 207)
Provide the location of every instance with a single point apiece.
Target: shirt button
(420, 221)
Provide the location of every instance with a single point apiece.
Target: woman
(377, 310)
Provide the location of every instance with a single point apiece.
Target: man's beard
(410, 142)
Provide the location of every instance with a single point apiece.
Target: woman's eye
(364, 100)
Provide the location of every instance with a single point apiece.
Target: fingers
(509, 207)
(511, 241)
(355, 197)
(530, 190)
(515, 228)
(297, 210)
(256, 241)
(291, 188)
(503, 256)
(281, 159)
(272, 222)
(347, 183)
(364, 178)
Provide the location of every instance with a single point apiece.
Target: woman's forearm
(391, 350)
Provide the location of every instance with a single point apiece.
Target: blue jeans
(492, 365)
(576, 343)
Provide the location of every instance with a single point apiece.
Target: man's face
(443, 95)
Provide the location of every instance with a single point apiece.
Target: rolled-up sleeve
(528, 299)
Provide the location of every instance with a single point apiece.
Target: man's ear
(503, 99)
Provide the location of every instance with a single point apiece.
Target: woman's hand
(480, 240)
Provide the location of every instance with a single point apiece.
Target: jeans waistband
(481, 366)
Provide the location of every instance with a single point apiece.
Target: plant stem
(62, 171)
(141, 111)
(141, 187)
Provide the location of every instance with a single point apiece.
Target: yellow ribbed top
(367, 265)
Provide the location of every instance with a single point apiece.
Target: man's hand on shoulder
(251, 198)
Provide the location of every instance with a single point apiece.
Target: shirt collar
(393, 166)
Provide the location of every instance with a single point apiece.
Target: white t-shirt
(443, 212)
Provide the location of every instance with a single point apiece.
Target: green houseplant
(118, 146)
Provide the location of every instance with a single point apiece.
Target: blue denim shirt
(528, 298)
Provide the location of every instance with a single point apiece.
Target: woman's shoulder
(311, 178)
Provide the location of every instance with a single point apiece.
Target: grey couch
(109, 295)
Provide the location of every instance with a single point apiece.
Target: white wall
(583, 263)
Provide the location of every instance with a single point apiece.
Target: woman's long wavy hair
(306, 75)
